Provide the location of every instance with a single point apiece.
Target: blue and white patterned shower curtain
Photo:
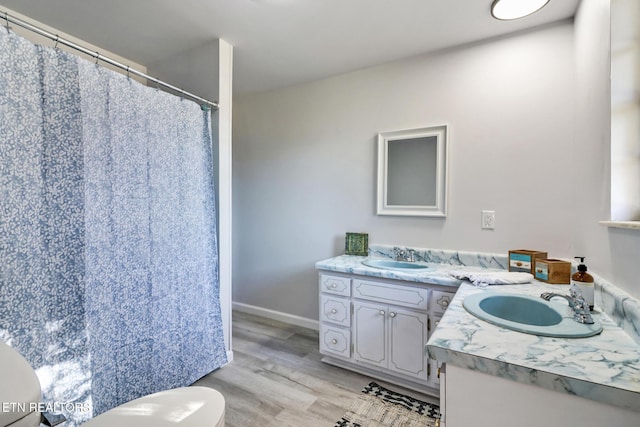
(108, 254)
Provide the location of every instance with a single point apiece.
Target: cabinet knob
(382, 313)
(444, 301)
(333, 285)
(392, 314)
(334, 341)
(334, 311)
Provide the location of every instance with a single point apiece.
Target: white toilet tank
(19, 390)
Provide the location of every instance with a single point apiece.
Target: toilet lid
(180, 407)
(19, 386)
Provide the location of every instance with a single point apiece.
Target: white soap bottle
(584, 281)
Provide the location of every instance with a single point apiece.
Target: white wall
(614, 252)
(194, 70)
(304, 161)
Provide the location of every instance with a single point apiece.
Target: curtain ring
(55, 46)
(6, 18)
(97, 57)
(128, 75)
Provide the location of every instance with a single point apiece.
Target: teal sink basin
(528, 314)
(389, 264)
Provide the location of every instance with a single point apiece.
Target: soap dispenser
(584, 281)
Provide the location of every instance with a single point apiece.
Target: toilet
(180, 407)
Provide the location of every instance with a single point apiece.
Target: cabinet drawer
(335, 284)
(335, 341)
(405, 296)
(440, 301)
(335, 310)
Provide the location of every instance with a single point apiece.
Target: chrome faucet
(402, 255)
(577, 303)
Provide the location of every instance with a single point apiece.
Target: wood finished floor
(277, 378)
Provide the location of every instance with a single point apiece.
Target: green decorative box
(356, 244)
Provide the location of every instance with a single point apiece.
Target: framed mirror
(412, 172)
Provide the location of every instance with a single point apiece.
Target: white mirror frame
(440, 207)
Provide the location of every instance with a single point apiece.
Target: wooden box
(554, 271)
(523, 260)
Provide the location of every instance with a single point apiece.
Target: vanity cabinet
(379, 327)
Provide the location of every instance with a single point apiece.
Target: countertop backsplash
(619, 305)
(444, 256)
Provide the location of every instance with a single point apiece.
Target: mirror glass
(412, 175)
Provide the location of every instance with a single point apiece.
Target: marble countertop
(352, 264)
(604, 368)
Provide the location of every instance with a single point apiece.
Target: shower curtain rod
(99, 57)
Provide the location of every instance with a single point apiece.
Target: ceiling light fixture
(513, 9)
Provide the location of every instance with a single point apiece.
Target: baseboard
(276, 315)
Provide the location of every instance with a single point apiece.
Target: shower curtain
(108, 254)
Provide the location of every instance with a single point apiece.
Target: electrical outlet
(488, 220)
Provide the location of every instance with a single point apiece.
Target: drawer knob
(334, 311)
(334, 341)
(444, 302)
(382, 313)
(334, 285)
(392, 314)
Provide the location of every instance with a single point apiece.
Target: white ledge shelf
(632, 225)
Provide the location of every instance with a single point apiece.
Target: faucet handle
(576, 292)
(581, 303)
(578, 298)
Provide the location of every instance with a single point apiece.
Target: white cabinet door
(369, 333)
(408, 332)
